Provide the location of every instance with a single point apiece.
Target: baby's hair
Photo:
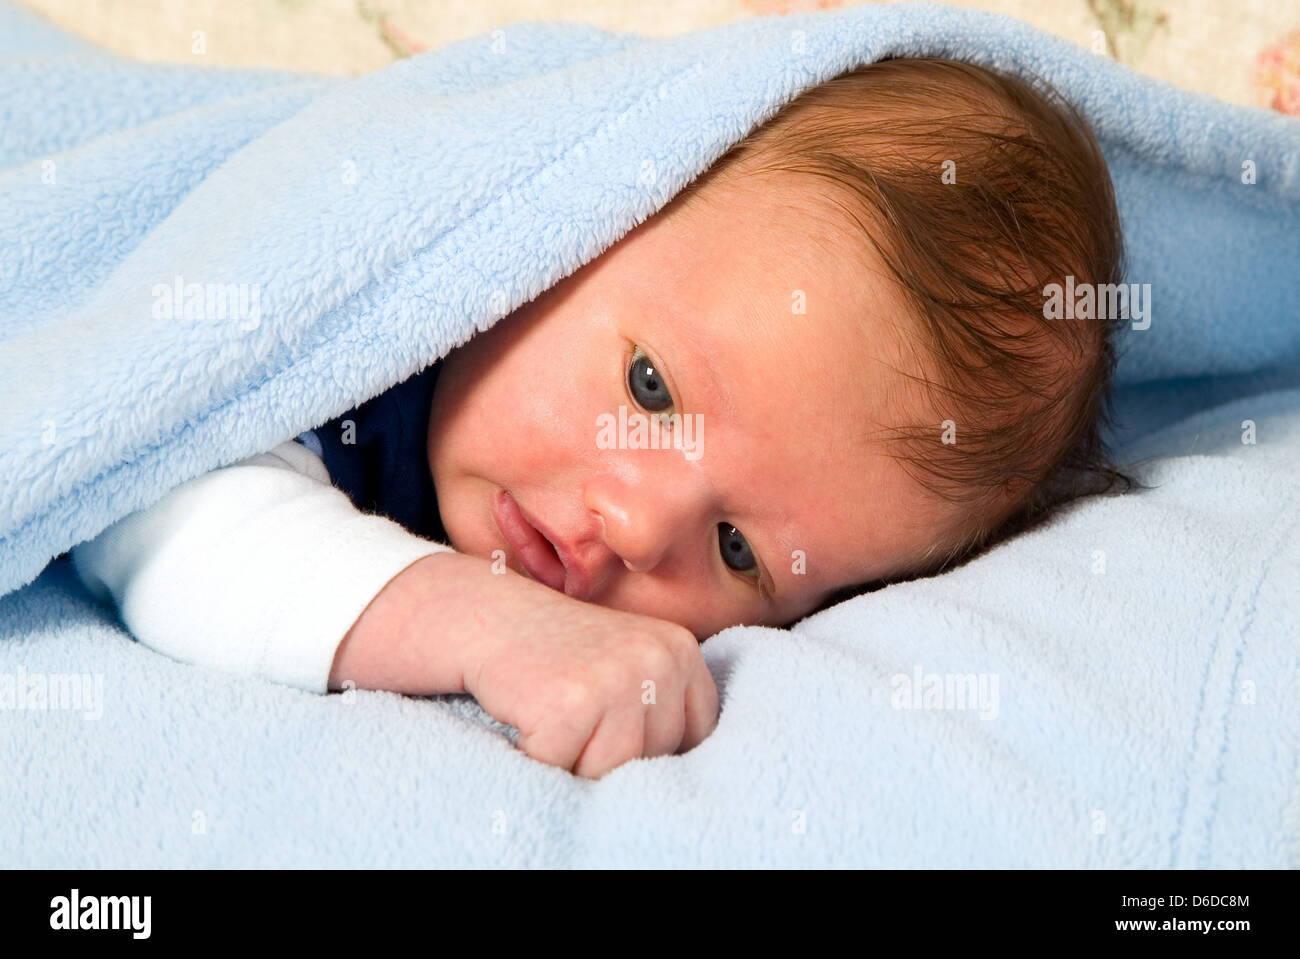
(977, 190)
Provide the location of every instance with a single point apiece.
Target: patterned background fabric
(1242, 51)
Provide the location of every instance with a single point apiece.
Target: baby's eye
(735, 551)
(646, 385)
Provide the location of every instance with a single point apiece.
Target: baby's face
(776, 494)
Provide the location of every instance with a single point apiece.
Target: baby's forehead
(796, 325)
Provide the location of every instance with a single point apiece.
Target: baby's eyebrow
(703, 376)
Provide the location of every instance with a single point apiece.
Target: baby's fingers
(560, 733)
(701, 713)
(652, 723)
(618, 737)
(664, 714)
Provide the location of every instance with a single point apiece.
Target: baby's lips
(539, 559)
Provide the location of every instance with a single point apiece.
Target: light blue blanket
(1117, 688)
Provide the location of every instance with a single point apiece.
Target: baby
(849, 306)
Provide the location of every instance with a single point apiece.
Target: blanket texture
(1116, 688)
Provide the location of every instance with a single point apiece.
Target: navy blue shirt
(376, 453)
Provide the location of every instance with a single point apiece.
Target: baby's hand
(589, 687)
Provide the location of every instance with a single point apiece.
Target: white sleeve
(260, 568)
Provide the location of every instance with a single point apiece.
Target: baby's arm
(259, 568)
(587, 687)
(264, 568)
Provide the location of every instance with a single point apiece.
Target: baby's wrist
(403, 641)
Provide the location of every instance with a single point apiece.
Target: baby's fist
(589, 688)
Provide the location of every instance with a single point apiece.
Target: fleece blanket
(1113, 689)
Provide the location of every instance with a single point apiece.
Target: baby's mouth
(538, 557)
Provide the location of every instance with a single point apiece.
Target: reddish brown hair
(977, 189)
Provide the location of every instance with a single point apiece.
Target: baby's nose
(644, 513)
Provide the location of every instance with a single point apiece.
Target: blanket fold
(382, 220)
